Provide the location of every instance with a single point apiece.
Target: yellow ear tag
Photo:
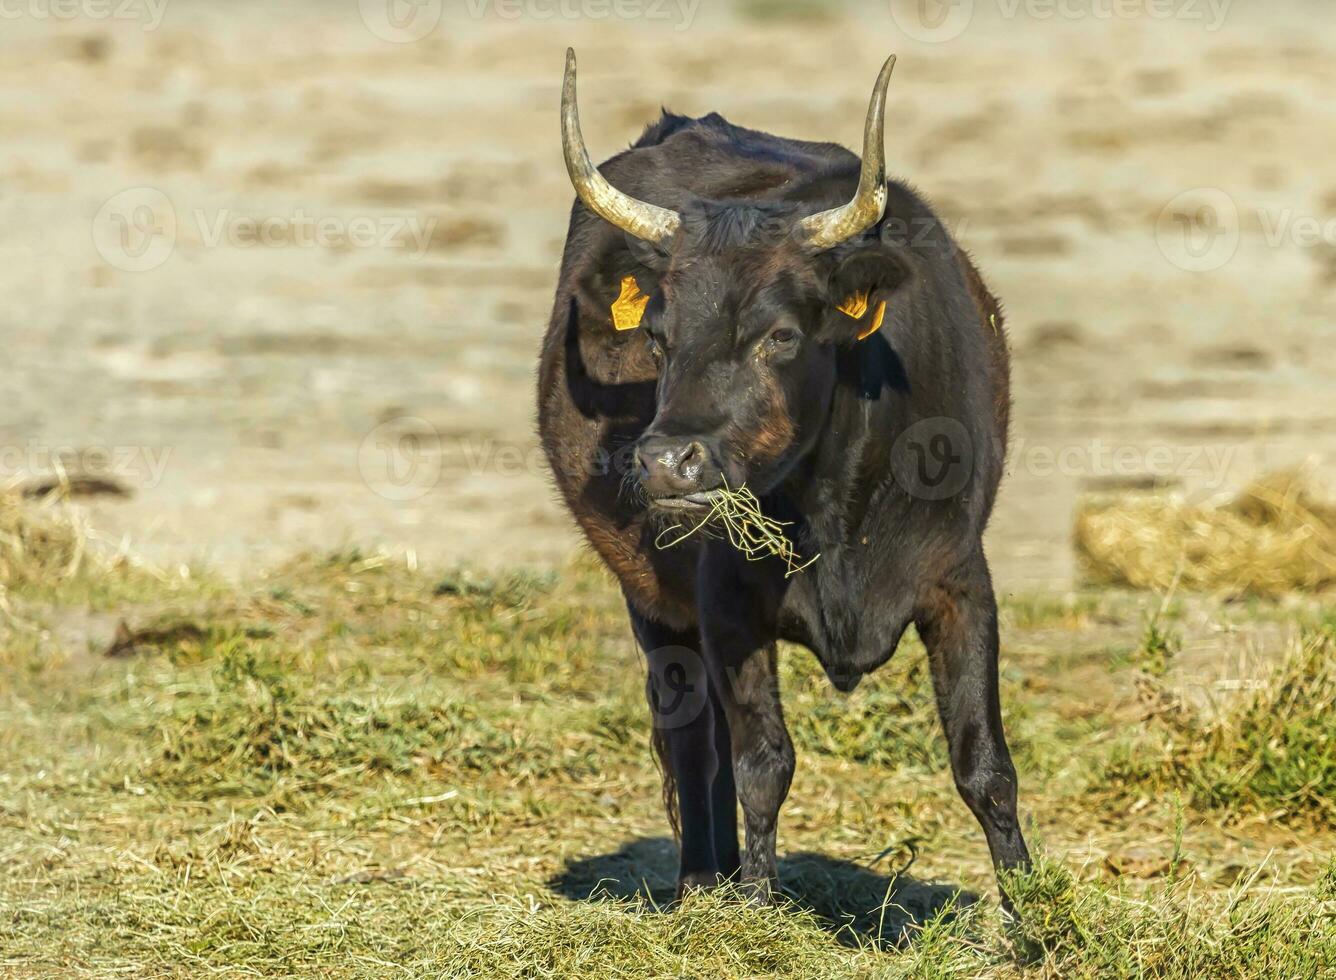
(856, 307)
(629, 306)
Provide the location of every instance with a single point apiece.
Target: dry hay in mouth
(1275, 537)
(749, 530)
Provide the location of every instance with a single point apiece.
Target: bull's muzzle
(678, 471)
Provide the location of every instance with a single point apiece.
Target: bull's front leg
(743, 664)
(762, 761)
(684, 737)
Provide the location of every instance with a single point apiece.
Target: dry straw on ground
(347, 766)
(39, 544)
(1276, 536)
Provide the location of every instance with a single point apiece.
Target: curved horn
(829, 228)
(646, 221)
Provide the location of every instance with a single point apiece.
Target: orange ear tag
(856, 306)
(629, 307)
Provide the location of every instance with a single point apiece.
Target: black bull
(877, 431)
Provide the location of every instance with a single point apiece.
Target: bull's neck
(835, 486)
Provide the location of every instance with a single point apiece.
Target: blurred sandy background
(279, 271)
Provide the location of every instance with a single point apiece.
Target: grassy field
(352, 767)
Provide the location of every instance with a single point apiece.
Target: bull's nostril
(670, 467)
(691, 460)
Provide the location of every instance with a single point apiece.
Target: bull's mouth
(697, 501)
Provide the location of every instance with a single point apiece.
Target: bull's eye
(655, 351)
(781, 340)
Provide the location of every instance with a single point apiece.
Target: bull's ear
(865, 288)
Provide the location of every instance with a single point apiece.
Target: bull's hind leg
(724, 795)
(958, 624)
(696, 785)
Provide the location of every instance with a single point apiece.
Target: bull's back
(993, 325)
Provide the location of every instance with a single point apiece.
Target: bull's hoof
(696, 881)
(759, 891)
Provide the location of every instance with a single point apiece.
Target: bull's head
(749, 305)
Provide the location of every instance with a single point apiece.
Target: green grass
(1271, 753)
(1174, 930)
(1160, 644)
(348, 767)
(890, 722)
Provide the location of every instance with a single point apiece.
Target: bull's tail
(669, 782)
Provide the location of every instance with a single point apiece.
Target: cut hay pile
(39, 543)
(1275, 537)
(47, 547)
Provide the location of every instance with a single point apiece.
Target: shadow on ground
(857, 904)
